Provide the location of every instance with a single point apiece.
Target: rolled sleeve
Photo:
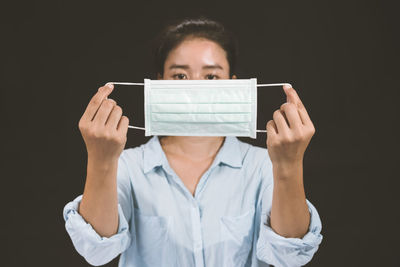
(281, 251)
(275, 249)
(97, 250)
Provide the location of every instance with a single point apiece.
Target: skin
(104, 128)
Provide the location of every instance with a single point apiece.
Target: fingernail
(110, 85)
(287, 86)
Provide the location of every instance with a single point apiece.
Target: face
(196, 59)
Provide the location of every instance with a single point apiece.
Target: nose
(196, 76)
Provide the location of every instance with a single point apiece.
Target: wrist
(288, 170)
(102, 165)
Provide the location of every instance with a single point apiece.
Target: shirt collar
(229, 154)
(152, 154)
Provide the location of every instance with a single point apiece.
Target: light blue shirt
(225, 223)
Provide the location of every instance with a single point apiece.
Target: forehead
(197, 51)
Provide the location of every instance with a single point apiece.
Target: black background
(341, 57)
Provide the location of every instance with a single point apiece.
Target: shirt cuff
(281, 251)
(96, 249)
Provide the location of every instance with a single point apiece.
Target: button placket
(197, 236)
(203, 181)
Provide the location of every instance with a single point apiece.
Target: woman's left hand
(289, 133)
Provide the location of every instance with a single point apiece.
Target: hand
(290, 132)
(103, 127)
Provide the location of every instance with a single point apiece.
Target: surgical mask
(200, 107)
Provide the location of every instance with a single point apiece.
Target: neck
(193, 146)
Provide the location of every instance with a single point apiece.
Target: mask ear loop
(126, 83)
(270, 85)
(258, 85)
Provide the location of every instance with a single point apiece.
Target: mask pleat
(197, 96)
(200, 108)
(200, 118)
(202, 129)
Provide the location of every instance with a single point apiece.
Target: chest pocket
(236, 236)
(152, 241)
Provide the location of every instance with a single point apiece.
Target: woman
(194, 201)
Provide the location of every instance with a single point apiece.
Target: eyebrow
(176, 66)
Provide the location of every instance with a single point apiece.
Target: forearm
(289, 213)
(99, 205)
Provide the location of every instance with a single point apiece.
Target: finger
(123, 125)
(96, 101)
(305, 118)
(271, 128)
(280, 122)
(104, 111)
(292, 96)
(114, 117)
(292, 115)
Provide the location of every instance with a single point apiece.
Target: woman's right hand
(103, 127)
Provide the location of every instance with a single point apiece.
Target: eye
(211, 77)
(179, 76)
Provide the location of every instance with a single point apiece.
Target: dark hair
(175, 33)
